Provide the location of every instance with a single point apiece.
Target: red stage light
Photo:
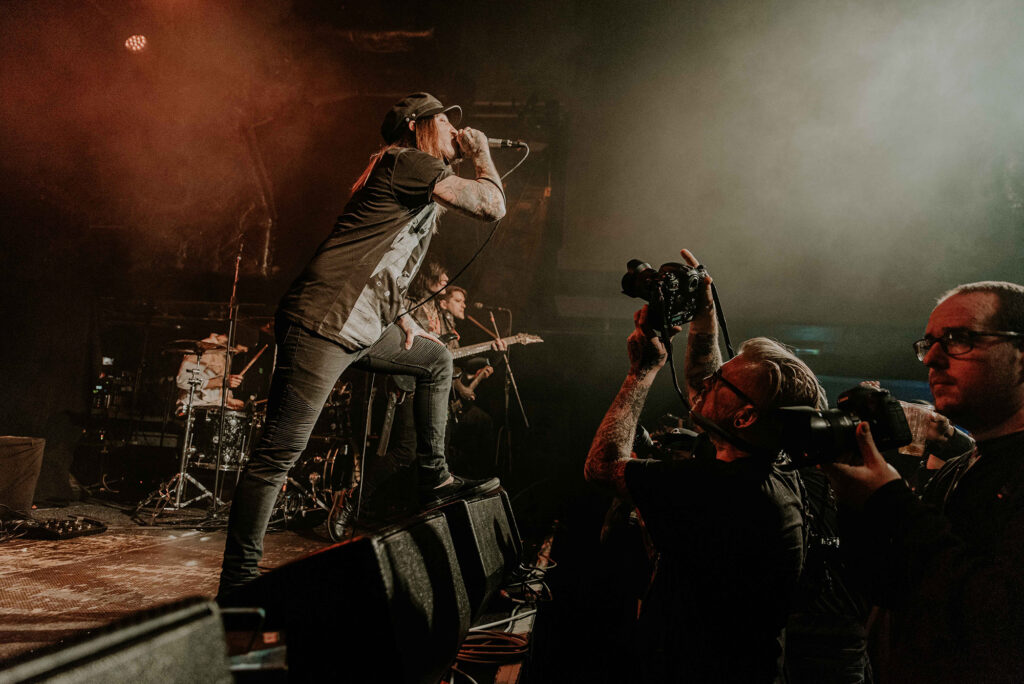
(136, 43)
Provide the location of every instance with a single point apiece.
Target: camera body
(671, 291)
(811, 436)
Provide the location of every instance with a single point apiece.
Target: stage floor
(50, 590)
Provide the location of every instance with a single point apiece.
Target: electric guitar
(474, 349)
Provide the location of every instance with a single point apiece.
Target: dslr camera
(811, 436)
(671, 291)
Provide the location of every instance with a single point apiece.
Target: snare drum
(239, 429)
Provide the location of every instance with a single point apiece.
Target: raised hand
(471, 142)
(646, 350)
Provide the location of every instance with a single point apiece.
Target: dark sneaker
(342, 518)
(458, 488)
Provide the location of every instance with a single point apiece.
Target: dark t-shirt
(730, 540)
(952, 566)
(354, 286)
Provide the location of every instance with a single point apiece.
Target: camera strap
(721, 321)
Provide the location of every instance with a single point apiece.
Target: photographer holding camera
(950, 564)
(729, 530)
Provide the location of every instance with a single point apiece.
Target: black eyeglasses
(957, 341)
(717, 376)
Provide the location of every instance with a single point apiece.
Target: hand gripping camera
(811, 436)
(672, 291)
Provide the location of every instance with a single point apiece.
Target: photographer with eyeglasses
(951, 564)
(729, 531)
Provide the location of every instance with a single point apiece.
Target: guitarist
(453, 308)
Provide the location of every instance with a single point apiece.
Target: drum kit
(219, 440)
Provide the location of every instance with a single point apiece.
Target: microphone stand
(510, 384)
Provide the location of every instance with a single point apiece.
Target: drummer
(210, 368)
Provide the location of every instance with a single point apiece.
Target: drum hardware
(197, 347)
(215, 505)
(123, 411)
(327, 466)
(160, 500)
(237, 436)
(296, 501)
(366, 436)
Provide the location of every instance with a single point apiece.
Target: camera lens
(636, 282)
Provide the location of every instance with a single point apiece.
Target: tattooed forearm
(613, 443)
(702, 358)
(490, 185)
(479, 199)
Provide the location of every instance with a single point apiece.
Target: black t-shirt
(355, 284)
(730, 540)
(951, 566)
(826, 622)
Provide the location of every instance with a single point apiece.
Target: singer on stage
(344, 308)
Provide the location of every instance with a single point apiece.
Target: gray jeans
(308, 366)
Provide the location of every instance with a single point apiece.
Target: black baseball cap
(412, 107)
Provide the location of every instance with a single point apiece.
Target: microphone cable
(494, 228)
(518, 163)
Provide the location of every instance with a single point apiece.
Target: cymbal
(198, 346)
(211, 346)
(182, 347)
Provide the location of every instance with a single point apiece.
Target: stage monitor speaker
(180, 642)
(487, 543)
(20, 461)
(384, 608)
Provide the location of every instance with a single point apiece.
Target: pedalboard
(68, 528)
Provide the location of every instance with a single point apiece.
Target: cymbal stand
(215, 503)
(195, 381)
(163, 494)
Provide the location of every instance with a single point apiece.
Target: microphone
(481, 305)
(499, 142)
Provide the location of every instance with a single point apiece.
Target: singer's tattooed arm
(481, 198)
(613, 443)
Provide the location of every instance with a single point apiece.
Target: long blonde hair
(425, 137)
